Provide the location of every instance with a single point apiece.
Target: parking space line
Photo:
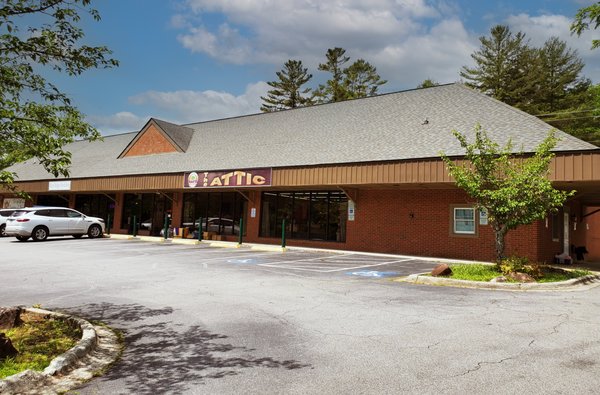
(320, 268)
(360, 267)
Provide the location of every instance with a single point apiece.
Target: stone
(9, 317)
(499, 279)
(441, 270)
(521, 277)
(7, 350)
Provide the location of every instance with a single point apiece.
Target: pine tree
(428, 83)
(497, 72)
(287, 92)
(361, 80)
(334, 89)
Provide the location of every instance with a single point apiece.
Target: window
(220, 211)
(556, 227)
(464, 220)
(319, 215)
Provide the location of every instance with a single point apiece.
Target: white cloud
(540, 28)
(120, 122)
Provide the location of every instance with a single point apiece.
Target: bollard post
(283, 234)
(166, 228)
(241, 231)
(134, 226)
(200, 229)
(108, 225)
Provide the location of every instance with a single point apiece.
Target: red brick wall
(418, 222)
(151, 142)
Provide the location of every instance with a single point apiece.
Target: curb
(60, 364)
(575, 283)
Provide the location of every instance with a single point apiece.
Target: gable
(150, 141)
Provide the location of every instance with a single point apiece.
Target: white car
(41, 222)
(4, 214)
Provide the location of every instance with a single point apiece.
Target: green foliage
(358, 80)
(37, 120)
(542, 274)
(287, 92)
(584, 18)
(428, 83)
(516, 264)
(512, 187)
(474, 272)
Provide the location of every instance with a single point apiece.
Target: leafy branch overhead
(37, 119)
(513, 187)
(587, 18)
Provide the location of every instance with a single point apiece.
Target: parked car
(4, 214)
(41, 222)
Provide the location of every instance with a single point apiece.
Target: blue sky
(194, 60)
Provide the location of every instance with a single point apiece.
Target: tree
(37, 120)
(512, 187)
(497, 72)
(361, 80)
(333, 90)
(428, 83)
(584, 18)
(287, 92)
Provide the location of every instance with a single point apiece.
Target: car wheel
(94, 231)
(2, 230)
(40, 233)
(77, 236)
(22, 238)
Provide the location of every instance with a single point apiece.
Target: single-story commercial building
(361, 175)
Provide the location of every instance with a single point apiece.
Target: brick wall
(418, 222)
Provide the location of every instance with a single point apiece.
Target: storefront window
(318, 215)
(96, 205)
(220, 211)
(149, 210)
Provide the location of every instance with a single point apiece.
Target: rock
(521, 277)
(441, 270)
(9, 317)
(499, 279)
(7, 350)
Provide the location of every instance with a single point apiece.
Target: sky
(188, 61)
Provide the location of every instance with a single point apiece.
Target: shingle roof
(180, 135)
(381, 128)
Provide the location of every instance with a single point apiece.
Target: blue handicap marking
(372, 273)
(248, 261)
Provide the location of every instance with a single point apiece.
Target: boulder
(441, 270)
(7, 350)
(9, 317)
(521, 277)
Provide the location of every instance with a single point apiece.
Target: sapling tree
(513, 187)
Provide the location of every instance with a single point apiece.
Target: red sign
(228, 179)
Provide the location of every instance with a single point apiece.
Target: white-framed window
(464, 220)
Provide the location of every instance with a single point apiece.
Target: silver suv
(4, 214)
(41, 222)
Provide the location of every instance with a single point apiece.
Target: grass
(480, 272)
(38, 342)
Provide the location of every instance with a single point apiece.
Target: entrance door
(162, 205)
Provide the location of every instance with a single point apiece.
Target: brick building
(357, 175)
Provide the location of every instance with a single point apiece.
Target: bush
(515, 264)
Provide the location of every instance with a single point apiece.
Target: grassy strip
(38, 342)
(480, 272)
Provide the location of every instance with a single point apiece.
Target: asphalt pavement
(199, 319)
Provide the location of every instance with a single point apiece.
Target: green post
(134, 226)
(108, 224)
(283, 234)
(200, 229)
(241, 231)
(166, 228)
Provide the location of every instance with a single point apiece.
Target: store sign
(228, 179)
(59, 185)
(13, 203)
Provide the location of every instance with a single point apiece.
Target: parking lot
(200, 319)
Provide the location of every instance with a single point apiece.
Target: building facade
(361, 175)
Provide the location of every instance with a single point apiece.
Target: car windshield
(18, 213)
(6, 213)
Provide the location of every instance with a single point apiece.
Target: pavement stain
(160, 359)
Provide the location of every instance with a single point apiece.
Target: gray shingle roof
(180, 135)
(381, 128)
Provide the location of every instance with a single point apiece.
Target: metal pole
(134, 226)
(108, 225)
(200, 229)
(166, 229)
(241, 231)
(283, 234)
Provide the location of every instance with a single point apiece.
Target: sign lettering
(224, 179)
